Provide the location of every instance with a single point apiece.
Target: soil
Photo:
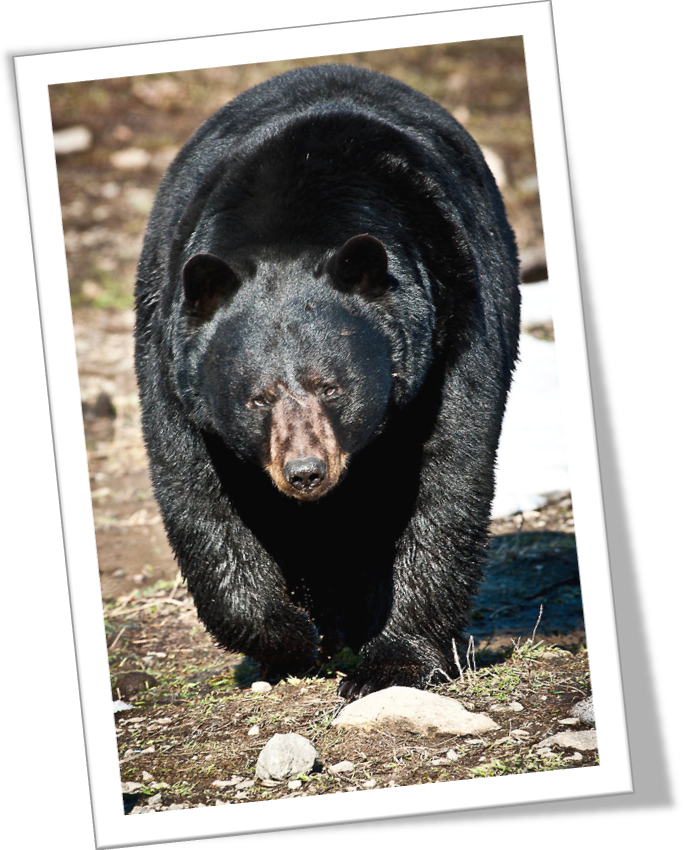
(192, 719)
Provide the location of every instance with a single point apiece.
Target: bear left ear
(360, 266)
(207, 282)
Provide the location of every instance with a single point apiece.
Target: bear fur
(327, 323)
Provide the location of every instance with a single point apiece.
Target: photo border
(34, 74)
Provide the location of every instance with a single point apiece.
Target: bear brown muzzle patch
(306, 460)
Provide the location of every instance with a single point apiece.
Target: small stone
(72, 140)
(154, 800)
(587, 740)
(341, 767)
(584, 711)
(370, 783)
(228, 783)
(246, 783)
(261, 687)
(570, 721)
(130, 787)
(135, 682)
(285, 756)
(575, 757)
(139, 199)
(253, 731)
(131, 159)
(516, 706)
(520, 734)
(295, 784)
(147, 777)
(452, 755)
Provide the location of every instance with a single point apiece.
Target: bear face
(290, 363)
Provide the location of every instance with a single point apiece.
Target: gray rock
(409, 710)
(584, 711)
(131, 159)
(72, 140)
(284, 756)
(341, 767)
(587, 740)
(137, 681)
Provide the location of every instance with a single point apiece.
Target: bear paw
(375, 675)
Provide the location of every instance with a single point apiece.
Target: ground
(194, 720)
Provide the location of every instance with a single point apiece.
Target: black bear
(327, 323)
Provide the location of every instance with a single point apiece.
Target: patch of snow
(532, 458)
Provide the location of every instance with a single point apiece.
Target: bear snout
(306, 460)
(305, 474)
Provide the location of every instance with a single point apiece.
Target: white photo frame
(34, 75)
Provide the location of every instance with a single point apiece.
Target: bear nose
(305, 474)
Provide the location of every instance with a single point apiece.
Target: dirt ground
(194, 727)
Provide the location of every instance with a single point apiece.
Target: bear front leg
(247, 610)
(431, 595)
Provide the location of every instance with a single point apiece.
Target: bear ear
(360, 266)
(207, 282)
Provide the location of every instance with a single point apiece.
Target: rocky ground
(192, 727)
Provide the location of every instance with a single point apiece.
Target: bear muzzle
(306, 460)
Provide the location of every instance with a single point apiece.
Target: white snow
(532, 461)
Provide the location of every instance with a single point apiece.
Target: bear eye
(259, 401)
(330, 391)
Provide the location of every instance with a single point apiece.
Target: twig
(115, 641)
(439, 670)
(471, 653)
(122, 608)
(178, 579)
(457, 660)
(533, 635)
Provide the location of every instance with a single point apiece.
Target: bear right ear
(207, 282)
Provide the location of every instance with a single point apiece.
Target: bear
(327, 321)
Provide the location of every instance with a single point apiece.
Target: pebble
(584, 711)
(586, 740)
(72, 140)
(341, 767)
(294, 784)
(131, 159)
(261, 687)
(286, 756)
(253, 731)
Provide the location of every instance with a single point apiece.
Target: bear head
(289, 359)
